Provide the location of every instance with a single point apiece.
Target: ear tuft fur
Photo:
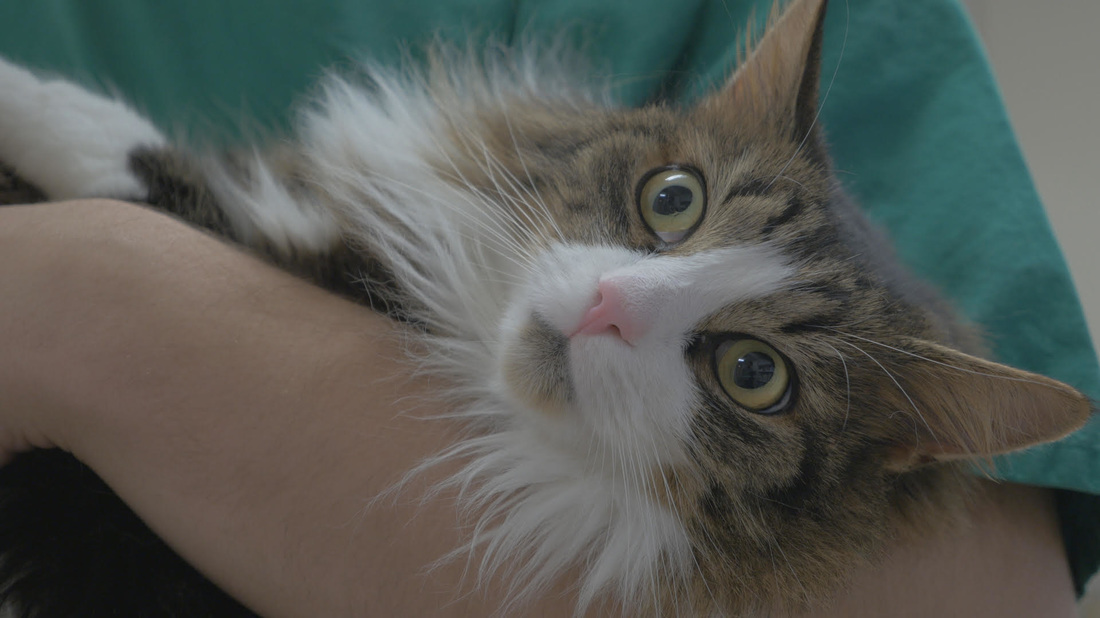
(777, 83)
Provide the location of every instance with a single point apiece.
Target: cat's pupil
(753, 370)
(673, 200)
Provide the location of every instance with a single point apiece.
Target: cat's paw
(68, 141)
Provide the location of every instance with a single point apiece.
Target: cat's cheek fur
(534, 368)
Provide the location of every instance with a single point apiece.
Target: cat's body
(687, 361)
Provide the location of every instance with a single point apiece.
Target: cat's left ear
(776, 86)
(953, 405)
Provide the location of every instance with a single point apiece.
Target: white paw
(67, 141)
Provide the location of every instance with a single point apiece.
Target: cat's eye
(753, 374)
(672, 202)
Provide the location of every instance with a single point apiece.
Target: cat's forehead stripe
(749, 188)
(795, 206)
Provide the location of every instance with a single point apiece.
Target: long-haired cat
(687, 363)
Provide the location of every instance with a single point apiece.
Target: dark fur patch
(730, 428)
(821, 243)
(795, 495)
(757, 187)
(795, 207)
(15, 190)
(538, 369)
(176, 185)
(811, 324)
(715, 501)
(614, 196)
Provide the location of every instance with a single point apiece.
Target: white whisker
(896, 383)
(847, 386)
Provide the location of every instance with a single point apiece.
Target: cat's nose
(612, 313)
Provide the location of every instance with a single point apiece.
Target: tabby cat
(689, 365)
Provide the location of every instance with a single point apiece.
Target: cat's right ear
(953, 405)
(776, 86)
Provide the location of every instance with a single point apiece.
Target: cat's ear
(776, 86)
(952, 405)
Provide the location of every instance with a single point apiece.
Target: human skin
(250, 418)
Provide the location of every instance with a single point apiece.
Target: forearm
(247, 416)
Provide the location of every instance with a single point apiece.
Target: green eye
(671, 202)
(753, 374)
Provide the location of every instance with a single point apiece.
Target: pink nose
(611, 313)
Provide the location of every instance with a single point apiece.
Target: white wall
(1046, 56)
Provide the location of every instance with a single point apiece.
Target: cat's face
(666, 241)
(673, 336)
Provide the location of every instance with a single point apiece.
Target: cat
(689, 365)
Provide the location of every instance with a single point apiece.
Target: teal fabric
(914, 119)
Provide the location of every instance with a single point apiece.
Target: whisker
(523, 232)
(805, 593)
(489, 168)
(847, 385)
(531, 182)
(502, 235)
(896, 383)
(694, 559)
(942, 364)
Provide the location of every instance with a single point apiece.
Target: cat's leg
(263, 203)
(72, 143)
(67, 141)
(15, 190)
(60, 141)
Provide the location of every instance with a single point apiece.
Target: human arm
(247, 416)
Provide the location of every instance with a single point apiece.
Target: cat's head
(701, 369)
